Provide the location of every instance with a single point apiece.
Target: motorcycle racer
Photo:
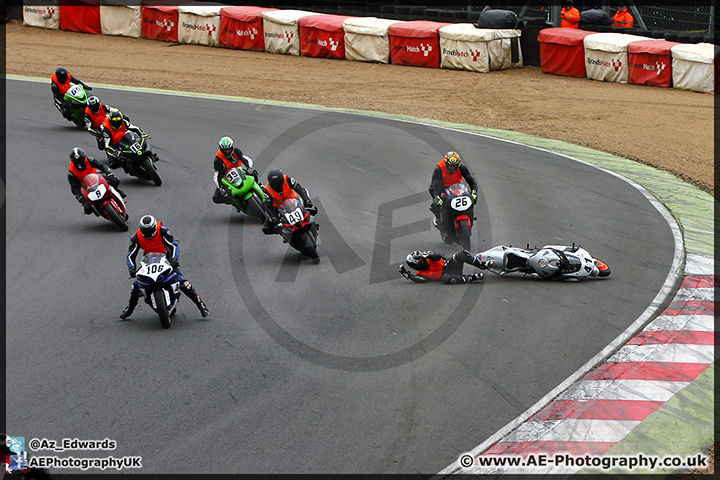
(227, 157)
(153, 237)
(112, 130)
(80, 166)
(449, 171)
(60, 84)
(279, 188)
(434, 266)
(95, 115)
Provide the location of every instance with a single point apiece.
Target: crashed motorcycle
(76, 98)
(134, 155)
(106, 202)
(456, 215)
(160, 284)
(554, 262)
(246, 194)
(298, 228)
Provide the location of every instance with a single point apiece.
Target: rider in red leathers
(434, 266)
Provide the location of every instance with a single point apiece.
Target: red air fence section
(80, 16)
(241, 28)
(415, 43)
(562, 51)
(650, 63)
(160, 22)
(322, 36)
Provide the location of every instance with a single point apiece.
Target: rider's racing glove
(132, 271)
(473, 194)
(175, 263)
(312, 209)
(437, 201)
(404, 271)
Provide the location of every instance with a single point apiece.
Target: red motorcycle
(299, 228)
(457, 216)
(105, 200)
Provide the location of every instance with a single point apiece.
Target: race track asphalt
(341, 367)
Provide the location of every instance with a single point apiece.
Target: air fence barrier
(473, 49)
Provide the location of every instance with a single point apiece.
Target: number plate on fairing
(461, 203)
(97, 194)
(295, 216)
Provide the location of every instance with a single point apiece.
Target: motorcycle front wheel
(152, 172)
(162, 312)
(464, 234)
(603, 268)
(255, 209)
(115, 217)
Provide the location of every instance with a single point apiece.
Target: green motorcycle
(76, 98)
(246, 194)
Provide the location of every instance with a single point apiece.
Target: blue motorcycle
(160, 285)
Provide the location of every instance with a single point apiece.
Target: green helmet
(226, 146)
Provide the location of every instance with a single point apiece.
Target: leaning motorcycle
(137, 158)
(558, 262)
(106, 202)
(246, 193)
(160, 285)
(456, 215)
(299, 228)
(76, 98)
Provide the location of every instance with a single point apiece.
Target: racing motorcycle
(456, 215)
(137, 158)
(298, 228)
(105, 200)
(555, 262)
(160, 285)
(246, 194)
(76, 97)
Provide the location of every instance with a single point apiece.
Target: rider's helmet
(276, 179)
(116, 119)
(78, 158)
(226, 147)
(416, 260)
(452, 161)
(148, 226)
(93, 103)
(62, 74)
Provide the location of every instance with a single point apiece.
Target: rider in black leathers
(82, 163)
(447, 172)
(143, 239)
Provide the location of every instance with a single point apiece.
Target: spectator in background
(569, 16)
(623, 18)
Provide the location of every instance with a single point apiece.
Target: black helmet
(78, 158)
(416, 260)
(116, 119)
(275, 179)
(62, 74)
(148, 226)
(94, 104)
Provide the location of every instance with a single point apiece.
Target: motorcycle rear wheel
(162, 312)
(115, 217)
(152, 172)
